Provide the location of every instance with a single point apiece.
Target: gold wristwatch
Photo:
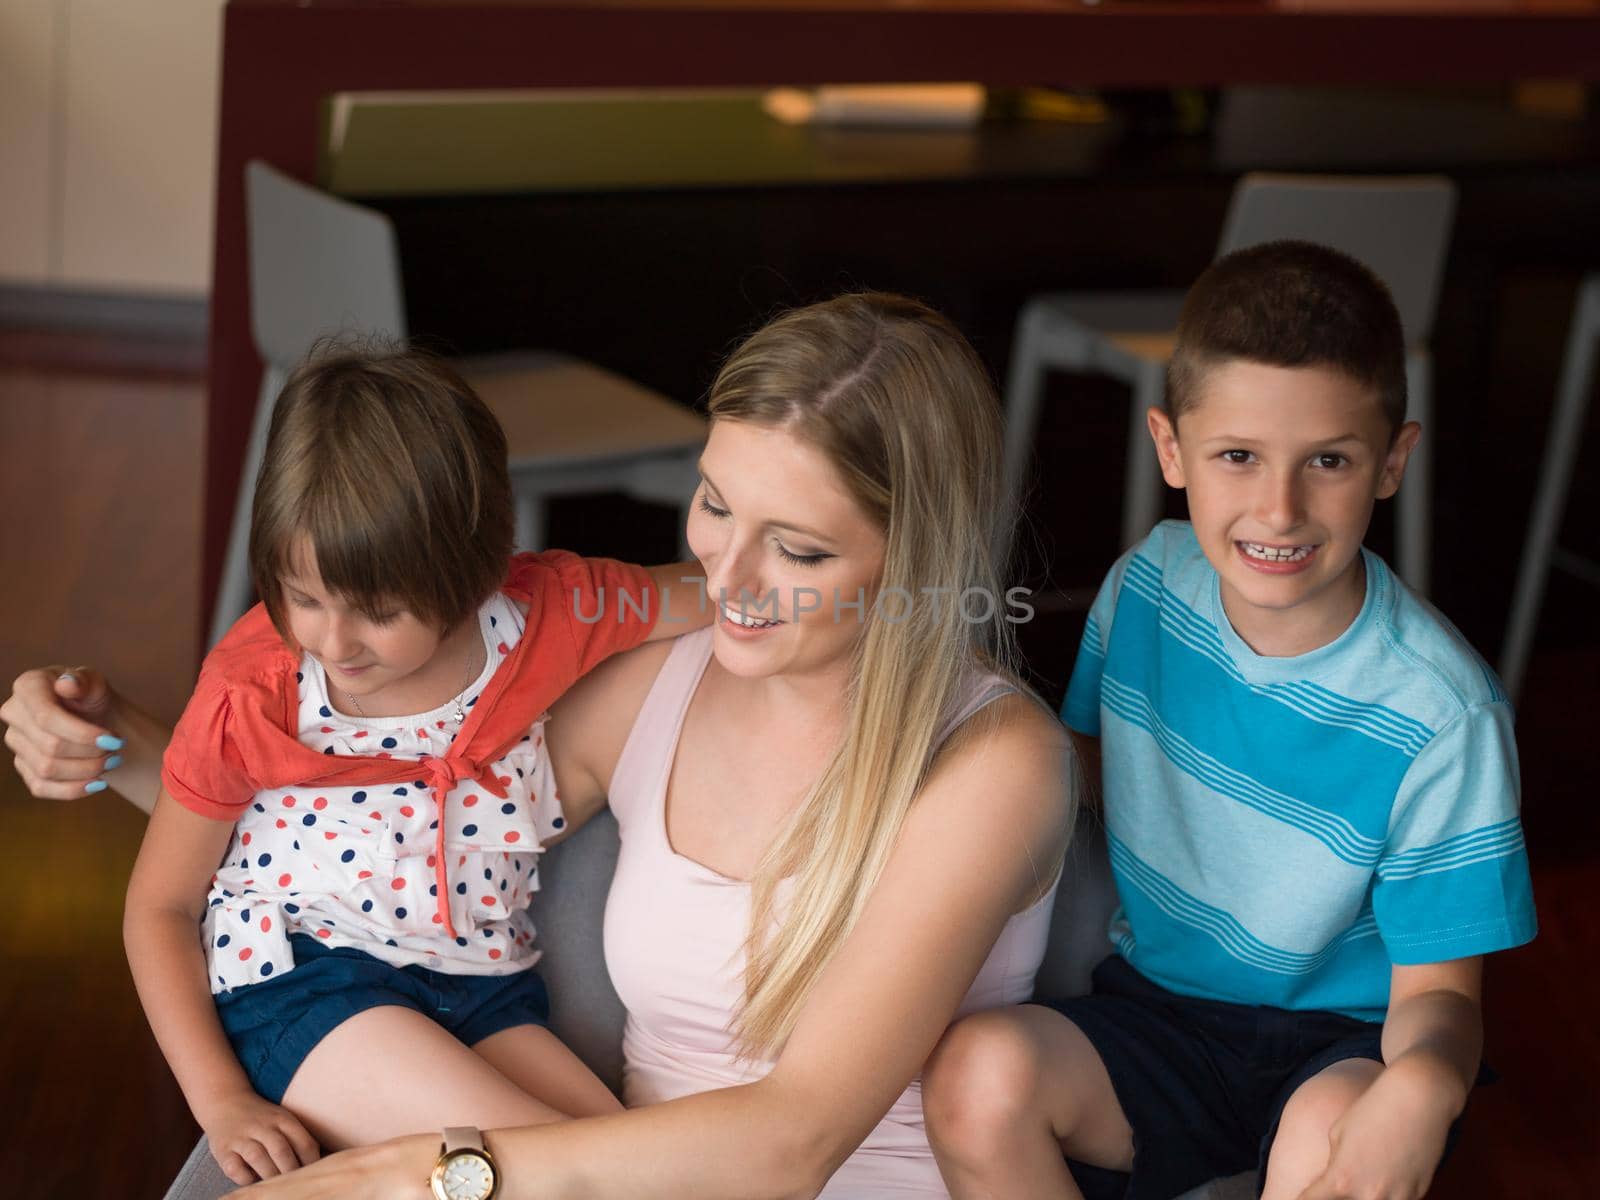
(465, 1171)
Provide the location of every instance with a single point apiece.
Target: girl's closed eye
(711, 510)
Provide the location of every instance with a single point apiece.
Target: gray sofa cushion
(569, 915)
(570, 910)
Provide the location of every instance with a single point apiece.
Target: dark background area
(660, 285)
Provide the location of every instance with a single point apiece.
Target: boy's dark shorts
(276, 1023)
(1203, 1083)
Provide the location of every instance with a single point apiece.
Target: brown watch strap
(462, 1137)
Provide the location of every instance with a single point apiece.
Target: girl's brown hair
(394, 472)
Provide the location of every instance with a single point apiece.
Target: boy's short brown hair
(1290, 304)
(395, 471)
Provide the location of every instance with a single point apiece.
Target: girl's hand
(394, 1170)
(252, 1138)
(59, 727)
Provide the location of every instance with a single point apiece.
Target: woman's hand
(394, 1170)
(59, 725)
(73, 736)
(252, 1138)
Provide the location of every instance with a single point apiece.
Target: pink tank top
(674, 932)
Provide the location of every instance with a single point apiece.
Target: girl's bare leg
(536, 1061)
(391, 1071)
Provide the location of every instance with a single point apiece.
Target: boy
(1311, 798)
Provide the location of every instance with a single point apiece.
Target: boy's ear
(1394, 462)
(1165, 435)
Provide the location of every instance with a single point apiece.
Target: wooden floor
(99, 477)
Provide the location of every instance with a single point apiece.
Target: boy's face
(1282, 466)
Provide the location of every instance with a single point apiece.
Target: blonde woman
(842, 817)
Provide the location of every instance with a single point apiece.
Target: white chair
(320, 265)
(1399, 226)
(1539, 550)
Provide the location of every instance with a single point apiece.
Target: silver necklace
(458, 707)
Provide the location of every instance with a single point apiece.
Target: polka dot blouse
(356, 866)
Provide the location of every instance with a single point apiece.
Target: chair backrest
(318, 266)
(1398, 225)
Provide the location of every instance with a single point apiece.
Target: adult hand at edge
(393, 1170)
(59, 729)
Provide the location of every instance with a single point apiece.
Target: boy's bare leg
(1007, 1093)
(1300, 1151)
(391, 1071)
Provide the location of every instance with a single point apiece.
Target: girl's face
(389, 658)
(792, 562)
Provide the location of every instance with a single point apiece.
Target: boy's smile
(1282, 466)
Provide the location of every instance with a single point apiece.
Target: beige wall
(108, 143)
(27, 53)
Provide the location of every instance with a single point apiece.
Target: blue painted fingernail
(93, 786)
(108, 741)
(112, 763)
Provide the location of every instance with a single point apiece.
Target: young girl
(364, 754)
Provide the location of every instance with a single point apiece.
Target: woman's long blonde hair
(900, 404)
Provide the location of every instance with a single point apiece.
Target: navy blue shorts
(1202, 1083)
(274, 1024)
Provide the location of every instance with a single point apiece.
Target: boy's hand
(1388, 1143)
(252, 1138)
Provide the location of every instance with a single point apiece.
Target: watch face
(466, 1176)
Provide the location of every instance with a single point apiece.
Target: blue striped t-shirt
(1282, 830)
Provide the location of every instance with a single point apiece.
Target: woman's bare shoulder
(615, 690)
(1016, 756)
(1015, 724)
(589, 726)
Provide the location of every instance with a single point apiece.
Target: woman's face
(791, 560)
